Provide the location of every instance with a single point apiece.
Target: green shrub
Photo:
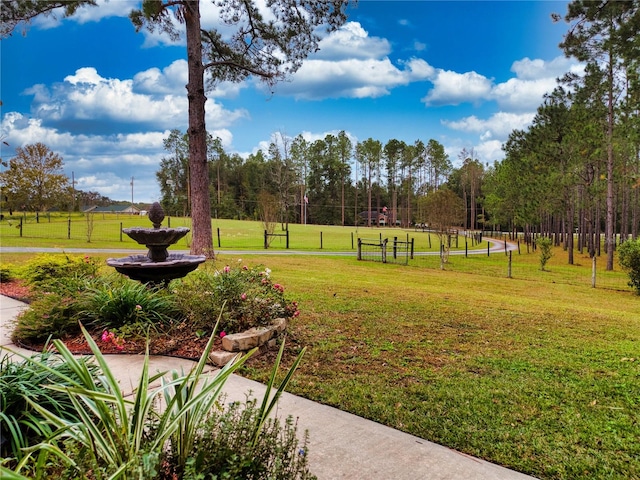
(546, 250)
(53, 272)
(23, 383)
(119, 301)
(224, 448)
(49, 315)
(6, 273)
(250, 296)
(629, 258)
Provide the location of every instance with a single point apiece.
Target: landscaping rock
(254, 337)
(221, 357)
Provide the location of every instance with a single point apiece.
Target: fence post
(120, 231)
(321, 240)
(359, 249)
(593, 272)
(218, 237)
(412, 247)
(509, 268)
(429, 241)
(466, 248)
(287, 242)
(351, 240)
(69, 229)
(395, 247)
(505, 245)
(21, 226)
(488, 249)
(266, 245)
(168, 222)
(384, 249)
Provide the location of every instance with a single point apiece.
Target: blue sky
(104, 97)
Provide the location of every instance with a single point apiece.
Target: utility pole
(131, 191)
(73, 192)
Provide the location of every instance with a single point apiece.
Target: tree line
(327, 181)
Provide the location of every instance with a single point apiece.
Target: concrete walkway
(342, 445)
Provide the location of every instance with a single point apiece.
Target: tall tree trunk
(610, 221)
(202, 243)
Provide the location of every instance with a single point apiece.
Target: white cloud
(522, 95)
(517, 100)
(171, 79)
(105, 9)
(87, 13)
(499, 125)
(354, 78)
(527, 69)
(489, 151)
(452, 88)
(351, 41)
(102, 163)
(152, 99)
(419, 46)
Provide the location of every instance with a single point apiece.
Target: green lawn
(539, 372)
(541, 377)
(62, 231)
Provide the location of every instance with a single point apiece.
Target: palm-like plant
(124, 438)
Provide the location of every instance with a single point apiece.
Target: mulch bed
(181, 343)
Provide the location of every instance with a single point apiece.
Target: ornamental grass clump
(118, 302)
(23, 384)
(252, 298)
(103, 433)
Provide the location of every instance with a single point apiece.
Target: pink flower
(138, 307)
(227, 269)
(223, 334)
(296, 313)
(105, 336)
(245, 268)
(278, 287)
(243, 296)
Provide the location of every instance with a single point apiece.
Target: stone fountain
(158, 266)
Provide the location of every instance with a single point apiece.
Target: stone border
(242, 342)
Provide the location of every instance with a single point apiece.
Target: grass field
(539, 372)
(64, 231)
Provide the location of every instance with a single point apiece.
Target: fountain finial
(156, 214)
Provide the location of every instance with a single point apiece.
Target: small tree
(34, 179)
(89, 218)
(629, 258)
(268, 210)
(443, 209)
(545, 244)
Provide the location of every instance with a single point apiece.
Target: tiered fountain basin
(141, 268)
(158, 265)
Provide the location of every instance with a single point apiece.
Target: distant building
(125, 209)
(377, 218)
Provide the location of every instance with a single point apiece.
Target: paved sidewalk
(342, 445)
